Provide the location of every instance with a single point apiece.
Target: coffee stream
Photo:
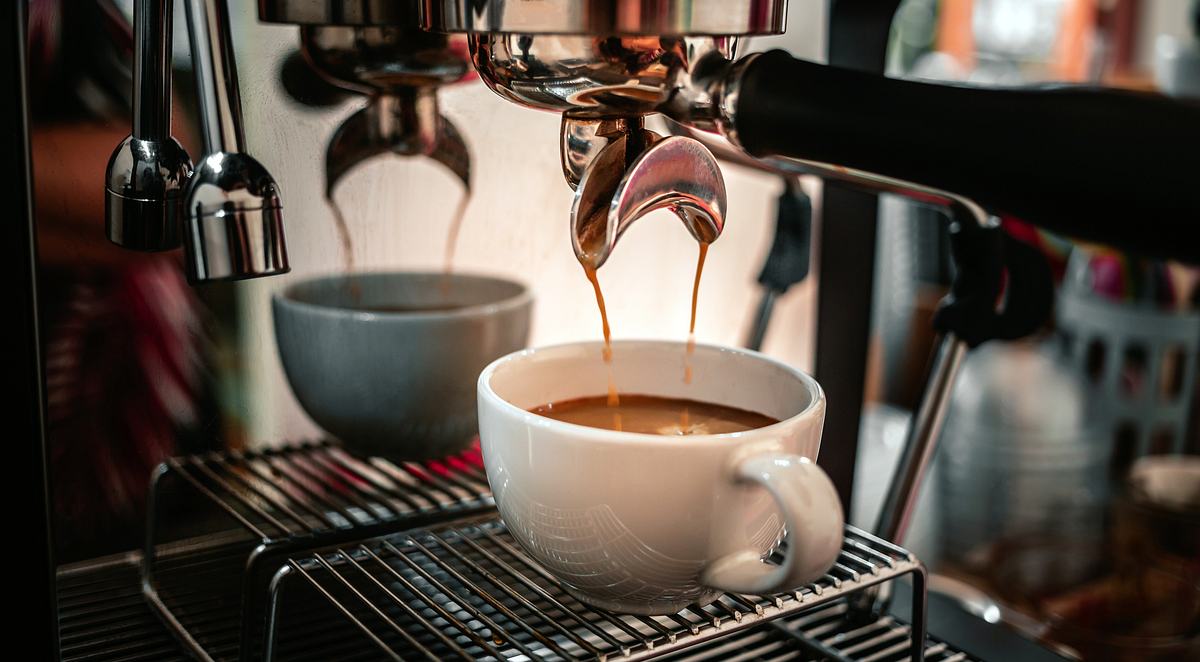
(347, 242)
(456, 222)
(613, 399)
(691, 346)
(684, 416)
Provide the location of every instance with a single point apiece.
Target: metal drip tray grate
(103, 618)
(314, 489)
(820, 633)
(467, 591)
(222, 524)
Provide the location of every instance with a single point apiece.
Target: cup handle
(812, 515)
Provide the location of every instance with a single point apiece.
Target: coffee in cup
(651, 414)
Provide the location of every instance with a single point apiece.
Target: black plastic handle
(1110, 166)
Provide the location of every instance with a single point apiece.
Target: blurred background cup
(387, 362)
(1024, 462)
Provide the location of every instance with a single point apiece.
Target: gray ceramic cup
(398, 384)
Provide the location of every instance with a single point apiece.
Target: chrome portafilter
(624, 172)
(399, 70)
(605, 85)
(404, 122)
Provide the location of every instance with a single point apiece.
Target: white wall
(399, 212)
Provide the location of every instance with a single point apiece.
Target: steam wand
(1002, 289)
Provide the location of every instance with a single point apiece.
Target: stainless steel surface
(405, 124)
(144, 193)
(219, 525)
(234, 214)
(107, 620)
(822, 633)
(467, 590)
(607, 17)
(921, 441)
(235, 221)
(581, 139)
(635, 173)
(603, 77)
(604, 85)
(152, 27)
(377, 60)
(340, 12)
(266, 506)
(400, 71)
(149, 170)
(220, 106)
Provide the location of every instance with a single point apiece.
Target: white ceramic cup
(649, 524)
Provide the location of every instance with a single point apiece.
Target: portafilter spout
(399, 69)
(621, 172)
(148, 172)
(234, 214)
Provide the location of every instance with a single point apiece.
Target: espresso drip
(614, 399)
(460, 212)
(691, 343)
(684, 416)
(456, 222)
(347, 241)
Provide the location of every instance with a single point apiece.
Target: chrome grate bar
(466, 589)
(266, 505)
(105, 619)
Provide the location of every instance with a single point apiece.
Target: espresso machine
(654, 97)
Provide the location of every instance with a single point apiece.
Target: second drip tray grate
(466, 590)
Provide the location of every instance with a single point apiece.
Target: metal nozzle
(235, 220)
(399, 69)
(234, 215)
(149, 170)
(406, 123)
(614, 17)
(634, 173)
(339, 12)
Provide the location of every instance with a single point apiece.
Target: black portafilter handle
(1110, 166)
